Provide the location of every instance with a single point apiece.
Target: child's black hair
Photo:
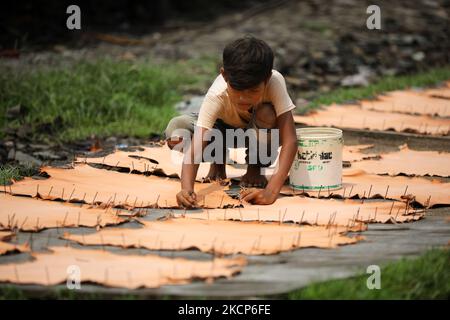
(247, 62)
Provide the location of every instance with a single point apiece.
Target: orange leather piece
(409, 162)
(115, 270)
(28, 214)
(156, 160)
(111, 188)
(6, 247)
(315, 212)
(355, 117)
(220, 237)
(357, 183)
(411, 102)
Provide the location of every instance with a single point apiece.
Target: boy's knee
(179, 127)
(265, 116)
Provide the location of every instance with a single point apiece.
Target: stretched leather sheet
(353, 153)
(29, 214)
(362, 185)
(354, 117)
(111, 188)
(222, 237)
(439, 93)
(408, 162)
(114, 270)
(443, 93)
(169, 162)
(156, 160)
(410, 102)
(315, 212)
(6, 247)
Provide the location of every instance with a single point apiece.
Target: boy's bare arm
(192, 158)
(288, 140)
(285, 123)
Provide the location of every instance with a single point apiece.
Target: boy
(247, 94)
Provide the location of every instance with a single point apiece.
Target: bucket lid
(318, 133)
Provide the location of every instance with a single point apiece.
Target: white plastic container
(318, 162)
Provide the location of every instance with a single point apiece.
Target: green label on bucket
(314, 167)
(308, 143)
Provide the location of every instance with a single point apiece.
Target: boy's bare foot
(253, 177)
(216, 172)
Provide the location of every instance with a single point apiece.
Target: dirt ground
(316, 44)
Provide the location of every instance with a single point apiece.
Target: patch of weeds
(10, 172)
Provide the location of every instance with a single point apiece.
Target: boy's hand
(187, 199)
(259, 196)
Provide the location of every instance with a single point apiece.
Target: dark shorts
(177, 126)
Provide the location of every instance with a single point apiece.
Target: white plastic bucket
(318, 162)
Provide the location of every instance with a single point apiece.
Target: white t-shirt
(217, 103)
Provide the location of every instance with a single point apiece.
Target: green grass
(10, 292)
(106, 97)
(426, 277)
(9, 172)
(101, 98)
(388, 83)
